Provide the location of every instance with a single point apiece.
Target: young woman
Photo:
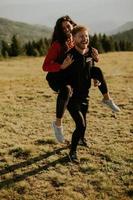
(55, 63)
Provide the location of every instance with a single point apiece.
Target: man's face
(81, 39)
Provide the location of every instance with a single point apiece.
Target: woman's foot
(58, 132)
(109, 103)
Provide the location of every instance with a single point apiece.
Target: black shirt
(78, 73)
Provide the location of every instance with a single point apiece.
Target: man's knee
(69, 90)
(81, 130)
(81, 125)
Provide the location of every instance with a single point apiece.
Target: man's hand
(67, 62)
(96, 83)
(95, 54)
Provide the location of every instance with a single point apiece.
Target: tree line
(106, 43)
(101, 42)
(31, 48)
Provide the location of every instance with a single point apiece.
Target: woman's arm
(50, 63)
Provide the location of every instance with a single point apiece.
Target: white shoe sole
(107, 106)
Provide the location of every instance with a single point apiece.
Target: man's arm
(95, 54)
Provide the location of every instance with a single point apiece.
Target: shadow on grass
(11, 168)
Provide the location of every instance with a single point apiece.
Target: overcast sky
(98, 14)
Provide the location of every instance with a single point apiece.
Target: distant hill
(126, 35)
(24, 31)
(125, 27)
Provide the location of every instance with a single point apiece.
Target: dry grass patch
(34, 166)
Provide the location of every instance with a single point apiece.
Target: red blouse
(50, 63)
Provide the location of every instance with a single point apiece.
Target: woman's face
(67, 27)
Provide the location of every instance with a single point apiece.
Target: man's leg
(84, 109)
(75, 111)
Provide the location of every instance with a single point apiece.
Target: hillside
(24, 31)
(125, 27)
(33, 166)
(126, 35)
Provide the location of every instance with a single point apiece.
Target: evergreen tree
(30, 49)
(129, 46)
(106, 43)
(4, 49)
(100, 42)
(112, 44)
(41, 47)
(15, 48)
(47, 43)
(117, 47)
(95, 42)
(122, 45)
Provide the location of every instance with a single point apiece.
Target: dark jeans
(78, 110)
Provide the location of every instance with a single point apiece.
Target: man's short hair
(77, 29)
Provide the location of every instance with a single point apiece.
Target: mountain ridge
(125, 27)
(27, 32)
(24, 31)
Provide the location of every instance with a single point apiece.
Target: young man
(78, 75)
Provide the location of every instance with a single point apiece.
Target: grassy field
(33, 166)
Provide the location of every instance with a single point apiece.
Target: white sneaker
(58, 132)
(111, 105)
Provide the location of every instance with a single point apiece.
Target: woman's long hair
(58, 34)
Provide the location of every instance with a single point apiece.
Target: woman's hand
(67, 62)
(95, 54)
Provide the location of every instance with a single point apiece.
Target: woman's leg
(64, 94)
(61, 104)
(62, 101)
(96, 73)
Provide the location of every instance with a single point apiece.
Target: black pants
(64, 92)
(78, 110)
(96, 73)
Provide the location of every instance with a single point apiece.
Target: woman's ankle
(106, 96)
(58, 122)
